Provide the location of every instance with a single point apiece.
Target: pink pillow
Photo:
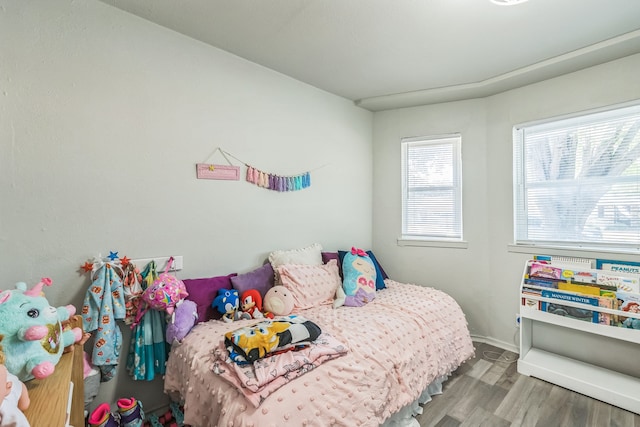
(310, 285)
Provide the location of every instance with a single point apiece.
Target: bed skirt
(405, 417)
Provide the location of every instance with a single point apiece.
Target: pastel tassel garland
(276, 182)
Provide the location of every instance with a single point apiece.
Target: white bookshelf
(607, 385)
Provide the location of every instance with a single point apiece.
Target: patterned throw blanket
(251, 343)
(258, 380)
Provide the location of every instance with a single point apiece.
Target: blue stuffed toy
(33, 338)
(359, 284)
(228, 303)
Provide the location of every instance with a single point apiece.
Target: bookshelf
(605, 384)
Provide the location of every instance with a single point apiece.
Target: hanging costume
(103, 305)
(148, 349)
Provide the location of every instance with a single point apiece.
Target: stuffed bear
(33, 336)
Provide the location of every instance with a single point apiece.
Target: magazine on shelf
(567, 311)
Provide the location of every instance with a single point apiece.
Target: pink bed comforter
(398, 344)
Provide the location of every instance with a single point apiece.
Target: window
(431, 188)
(577, 181)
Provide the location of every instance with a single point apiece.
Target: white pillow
(311, 255)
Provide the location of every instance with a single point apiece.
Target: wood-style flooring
(491, 393)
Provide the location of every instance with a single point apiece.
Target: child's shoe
(102, 417)
(131, 414)
(154, 421)
(178, 414)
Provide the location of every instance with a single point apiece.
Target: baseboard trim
(492, 341)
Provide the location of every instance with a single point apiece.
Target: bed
(398, 345)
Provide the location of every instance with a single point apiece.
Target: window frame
(455, 241)
(520, 187)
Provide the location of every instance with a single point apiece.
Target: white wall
(483, 278)
(102, 118)
(460, 272)
(608, 84)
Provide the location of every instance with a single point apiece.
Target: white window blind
(431, 188)
(577, 181)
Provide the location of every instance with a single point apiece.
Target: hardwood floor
(490, 393)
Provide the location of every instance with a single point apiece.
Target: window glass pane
(431, 204)
(577, 181)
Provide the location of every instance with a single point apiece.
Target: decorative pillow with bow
(359, 283)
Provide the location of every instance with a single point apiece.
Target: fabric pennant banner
(276, 182)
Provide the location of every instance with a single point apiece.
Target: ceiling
(396, 53)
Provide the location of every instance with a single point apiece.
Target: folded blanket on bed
(258, 380)
(251, 343)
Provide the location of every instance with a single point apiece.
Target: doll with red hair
(251, 303)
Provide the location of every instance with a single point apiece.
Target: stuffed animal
(251, 303)
(15, 399)
(227, 303)
(279, 301)
(182, 320)
(33, 336)
(359, 284)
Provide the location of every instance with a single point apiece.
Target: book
(543, 283)
(568, 311)
(579, 288)
(618, 266)
(614, 302)
(627, 303)
(606, 302)
(579, 276)
(544, 271)
(531, 302)
(625, 282)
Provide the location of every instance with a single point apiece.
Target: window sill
(571, 251)
(457, 244)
